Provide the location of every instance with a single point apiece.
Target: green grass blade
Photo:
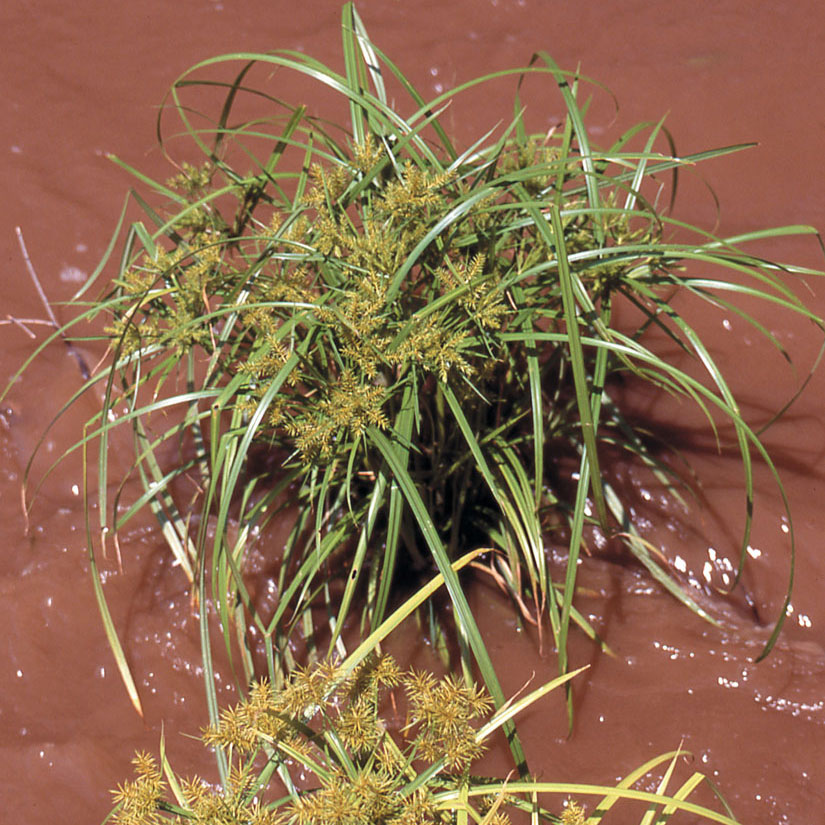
(464, 616)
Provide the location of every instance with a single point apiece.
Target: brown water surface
(82, 79)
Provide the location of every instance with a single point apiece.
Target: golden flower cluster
(332, 723)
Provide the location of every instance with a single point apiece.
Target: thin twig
(81, 363)
(21, 322)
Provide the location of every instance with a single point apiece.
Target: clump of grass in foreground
(418, 339)
(326, 727)
(328, 747)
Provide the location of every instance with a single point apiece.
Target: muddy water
(82, 79)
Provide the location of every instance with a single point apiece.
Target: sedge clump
(368, 743)
(342, 760)
(411, 348)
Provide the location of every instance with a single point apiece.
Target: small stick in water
(82, 366)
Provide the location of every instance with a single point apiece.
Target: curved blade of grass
(634, 350)
(575, 115)
(511, 709)
(635, 776)
(376, 636)
(209, 681)
(555, 240)
(376, 504)
(361, 62)
(525, 526)
(464, 615)
(108, 625)
(401, 436)
(615, 794)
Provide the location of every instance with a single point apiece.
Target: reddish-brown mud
(82, 79)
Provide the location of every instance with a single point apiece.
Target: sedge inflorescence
(331, 726)
(309, 314)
